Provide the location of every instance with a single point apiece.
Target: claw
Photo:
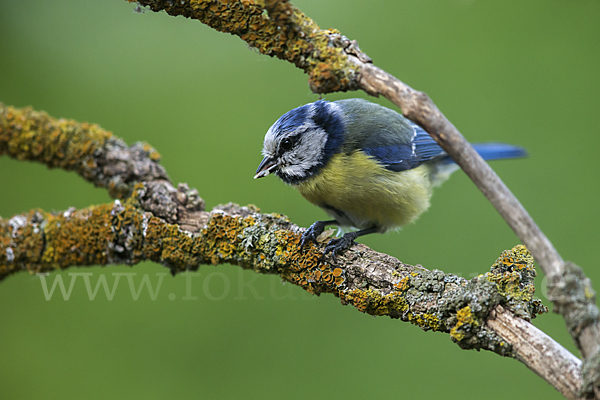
(335, 246)
(313, 232)
(338, 246)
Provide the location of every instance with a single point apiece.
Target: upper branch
(278, 29)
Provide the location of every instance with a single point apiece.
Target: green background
(526, 73)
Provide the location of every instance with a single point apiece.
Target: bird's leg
(311, 234)
(336, 246)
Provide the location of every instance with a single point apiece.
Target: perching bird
(366, 166)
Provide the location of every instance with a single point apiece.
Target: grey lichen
(573, 297)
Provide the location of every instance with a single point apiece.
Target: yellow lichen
(21, 240)
(32, 135)
(464, 317)
(424, 320)
(373, 302)
(80, 237)
(513, 273)
(403, 284)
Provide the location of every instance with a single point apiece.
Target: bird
(367, 166)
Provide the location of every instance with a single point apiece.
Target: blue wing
(401, 157)
(422, 148)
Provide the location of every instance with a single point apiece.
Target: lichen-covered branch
(374, 283)
(123, 233)
(277, 29)
(85, 148)
(573, 297)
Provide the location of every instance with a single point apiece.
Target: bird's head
(301, 142)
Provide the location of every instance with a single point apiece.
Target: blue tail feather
(488, 151)
(495, 151)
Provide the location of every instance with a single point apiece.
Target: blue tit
(366, 166)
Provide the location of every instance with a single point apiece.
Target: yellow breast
(367, 193)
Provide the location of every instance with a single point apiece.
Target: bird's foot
(338, 246)
(313, 232)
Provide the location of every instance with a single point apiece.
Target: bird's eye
(286, 144)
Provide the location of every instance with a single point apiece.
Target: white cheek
(293, 170)
(291, 165)
(307, 154)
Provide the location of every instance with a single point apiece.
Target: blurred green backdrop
(520, 72)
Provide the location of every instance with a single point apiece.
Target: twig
(539, 352)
